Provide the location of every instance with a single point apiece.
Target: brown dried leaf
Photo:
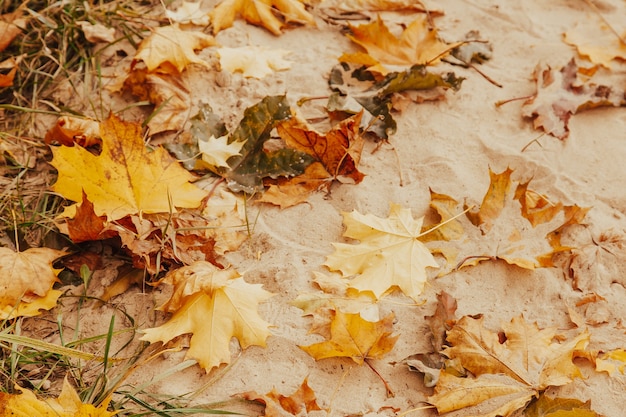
(561, 94)
(300, 403)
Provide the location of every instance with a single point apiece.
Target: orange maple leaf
(299, 403)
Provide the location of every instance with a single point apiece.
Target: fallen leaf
(97, 32)
(247, 170)
(217, 151)
(356, 89)
(376, 6)
(561, 94)
(260, 13)
(27, 280)
(546, 406)
(499, 228)
(389, 254)
(355, 338)
(213, 305)
(336, 154)
(253, 61)
(189, 12)
(125, 178)
(172, 47)
(506, 374)
(70, 130)
(612, 362)
(8, 70)
(300, 403)
(11, 25)
(595, 263)
(68, 404)
(596, 41)
(86, 226)
(417, 45)
(167, 91)
(442, 320)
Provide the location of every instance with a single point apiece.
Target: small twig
(536, 140)
(502, 102)
(485, 76)
(479, 257)
(390, 392)
(447, 221)
(305, 99)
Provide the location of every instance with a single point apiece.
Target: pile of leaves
(175, 210)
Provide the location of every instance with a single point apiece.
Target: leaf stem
(446, 222)
(390, 393)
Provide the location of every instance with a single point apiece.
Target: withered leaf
(521, 228)
(300, 403)
(561, 94)
(506, 375)
(254, 163)
(356, 89)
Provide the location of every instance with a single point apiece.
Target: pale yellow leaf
(213, 305)
(171, 45)
(389, 254)
(217, 151)
(253, 61)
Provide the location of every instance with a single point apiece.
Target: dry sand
(447, 145)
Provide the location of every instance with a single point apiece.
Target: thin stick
(536, 140)
(501, 102)
(390, 392)
(447, 221)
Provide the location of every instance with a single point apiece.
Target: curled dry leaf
(97, 32)
(125, 178)
(260, 13)
(389, 255)
(300, 403)
(214, 305)
(170, 47)
(70, 130)
(68, 404)
(546, 406)
(563, 93)
(11, 25)
(417, 45)
(167, 91)
(26, 280)
(506, 374)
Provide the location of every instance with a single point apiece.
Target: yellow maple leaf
(214, 305)
(26, 280)
(596, 41)
(388, 256)
(126, 178)
(355, 338)
(217, 151)
(260, 13)
(68, 404)
(417, 45)
(507, 375)
(172, 46)
(253, 61)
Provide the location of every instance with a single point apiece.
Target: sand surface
(449, 146)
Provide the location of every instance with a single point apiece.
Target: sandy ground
(447, 145)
